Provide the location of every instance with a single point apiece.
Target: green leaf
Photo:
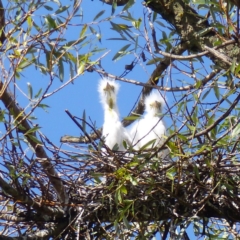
(237, 70)
(43, 106)
(50, 22)
(32, 130)
(150, 143)
(123, 38)
(195, 116)
(84, 29)
(38, 93)
(30, 91)
(119, 27)
(196, 172)
(114, 6)
(206, 93)
(233, 66)
(123, 190)
(137, 23)
(34, 139)
(95, 33)
(24, 63)
(171, 173)
(81, 68)
(154, 60)
(126, 223)
(62, 9)
(115, 147)
(124, 144)
(48, 8)
(84, 120)
(236, 131)
(216, 91)
(133, 163)
(99, 15)
(2, 118)
(128, 5)
(48, 59)
(154, 16)
(121, 52)
(133, 181)
(198, 84)
(128, 17)
(60, 69)
(118, 196)
(172, 147)
(36, 26)
(29, 22)
(133, 117)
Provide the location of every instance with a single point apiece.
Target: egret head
(157, 106)
(108, 90)
(154, 103)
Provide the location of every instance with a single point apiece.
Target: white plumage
(151, 126)
(113, 131)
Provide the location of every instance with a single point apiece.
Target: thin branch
(24, 199)
(20, 118)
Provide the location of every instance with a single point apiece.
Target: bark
(24, 127)
(196, 35)
(193, 29)
(2, 23)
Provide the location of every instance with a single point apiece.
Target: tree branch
(21, 119)
(23, 199)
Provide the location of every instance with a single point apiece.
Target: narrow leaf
(32, 130)
(99, 15)
(114, 6)
(84, 120)
(30, 91)
(60, 69)
(38, 93)
(128, 5)
(171, 172)
(236, 131)
(216, 91)
(84, 29)
(121, 51)
(81, 68)
(34, 139)
(62, 9)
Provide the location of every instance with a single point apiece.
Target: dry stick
(31, 137)
(152, 82)
(24, 199)
(82, 129)
(84, 139)
(221, 118)
(219, 55)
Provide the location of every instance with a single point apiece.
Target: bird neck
(111, 114)
(152, 113)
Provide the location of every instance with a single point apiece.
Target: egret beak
(109, 88)
(156, 105)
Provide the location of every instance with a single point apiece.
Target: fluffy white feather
(151, 126)
(113, 131)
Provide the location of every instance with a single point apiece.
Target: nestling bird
(151, 126)
(113, 131)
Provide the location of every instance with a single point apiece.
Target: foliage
(77, 190)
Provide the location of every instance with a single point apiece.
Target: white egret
(151, 127)
(113, 131)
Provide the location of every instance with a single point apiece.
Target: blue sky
(82, 94)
